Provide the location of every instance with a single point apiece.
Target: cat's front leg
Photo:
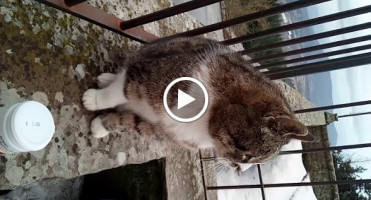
(120, 121)
(105, 79)
(112, 122)
(108, 97)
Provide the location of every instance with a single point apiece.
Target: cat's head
(254, 133)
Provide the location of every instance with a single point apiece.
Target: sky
(350, 85)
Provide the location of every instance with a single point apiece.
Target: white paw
(89, 99)
(98, 129)
(105, 79)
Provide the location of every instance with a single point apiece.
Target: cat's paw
(105, 79)
(97, 128)
(89, 99)
(128, 121)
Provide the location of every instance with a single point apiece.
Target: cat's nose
(237, 167)
(246, 158)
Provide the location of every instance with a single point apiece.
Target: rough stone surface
(56, 188)
(43, 55)
(183, 176)
(52, 57)
(298, 102)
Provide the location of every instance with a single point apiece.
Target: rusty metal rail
(100, 18)
(70, 3)
(181, 8)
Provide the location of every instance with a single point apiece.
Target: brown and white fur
(248, 119)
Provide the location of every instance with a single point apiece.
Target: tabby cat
(247, 120)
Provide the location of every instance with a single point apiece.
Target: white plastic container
(24, 127)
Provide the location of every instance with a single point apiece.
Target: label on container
(4, 148)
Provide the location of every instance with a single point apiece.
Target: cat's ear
(289, 126)
(306, 138)
(294, 129)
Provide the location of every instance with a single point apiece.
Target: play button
(185, 99)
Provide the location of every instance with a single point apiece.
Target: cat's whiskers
(212, 167)
(212, 158)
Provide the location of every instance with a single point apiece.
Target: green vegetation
(346, 170)
(236, 8)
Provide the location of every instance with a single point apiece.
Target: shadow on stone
(131, 182)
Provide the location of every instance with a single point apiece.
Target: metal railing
(132, 29)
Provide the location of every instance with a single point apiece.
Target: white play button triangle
(184, 99)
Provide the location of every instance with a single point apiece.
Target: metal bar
(248, 17)
(317, 36)
(261, 182)
(322, 66)
(354, 114)
(70, 3)
(203, 175)
(339, 182)
(100, 18)
(181, 8)
(344, 147)
(212, 158)
(345, 105)
(298, 25)
(313, 48)
(354, 146)
(317, 56)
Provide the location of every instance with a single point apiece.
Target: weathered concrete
(297, 102)
(53, 58)
(55, 188)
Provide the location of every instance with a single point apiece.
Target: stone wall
(320, 165)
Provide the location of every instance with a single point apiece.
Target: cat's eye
(246, 158)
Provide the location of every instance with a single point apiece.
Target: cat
(247, 120)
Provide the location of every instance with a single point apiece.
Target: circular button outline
(203, 110)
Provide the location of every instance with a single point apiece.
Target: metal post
(181, 8)
(340, 182)
(322, 66)
(312, 48)
(308, 38)
(248, 17)
(354, 146)
(345, 105)
(354, 114)
(298, 25)
(261, 182)
(317, 56)
(203, 174)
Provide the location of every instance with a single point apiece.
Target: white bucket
(24, 127)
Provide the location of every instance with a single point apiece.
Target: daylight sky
(350, 85)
